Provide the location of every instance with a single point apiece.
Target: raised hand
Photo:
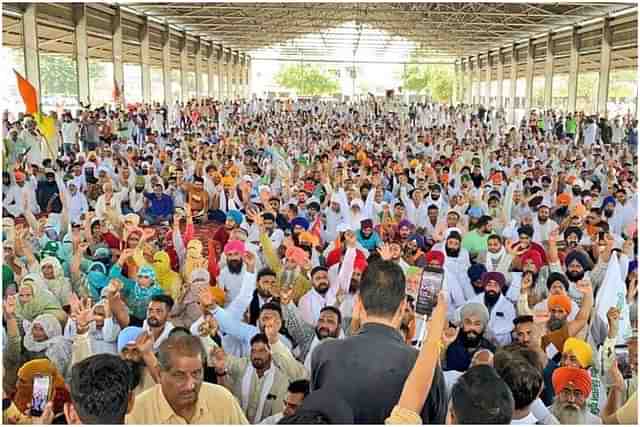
(84, 316)
(147, 234)
(144, 343)
(272, 330)
(541, 317)
(249, 261)
(218, 357)
(286, 295)
(449, 335)
(350, 240)
(584, 286)
(384, 251)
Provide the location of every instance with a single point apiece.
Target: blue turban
(128, 335)
(147, 271)
(235, 216)
(300, 222)
(476, 271)
(607, 200)
(475, 212)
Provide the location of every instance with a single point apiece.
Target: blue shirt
(160, 206)
(369, 243)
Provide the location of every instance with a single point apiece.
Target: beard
(452, 253)
(152, 321)
(555, 324)
(263, 293)
(259, 363)
(470, 339)
(542, 220)
(575, 276)
(234, 266)
(323, 333)
(136, 369)
(491, 298)
(354, 286)
(608, 213)
(321, 287)
(569, 413)
(411, 251)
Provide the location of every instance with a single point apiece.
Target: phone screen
(622, 357)
(430, 286)
(40, 395)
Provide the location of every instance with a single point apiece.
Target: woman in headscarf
(34, 299)
(103, 331)
(24, 386)
(137, 293)
(43, 338)
(194, 258)
(54, 278)
(187, 309)
(169, 280)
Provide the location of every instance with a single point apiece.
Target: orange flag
(28, 94)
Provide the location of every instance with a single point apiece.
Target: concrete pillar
(548, 74)
(488, 86)
(166, 66)
(118, 54)
(514, 78)
(456, 89)
(479, 78)
(30, 47)
(211, 70)
(500, 80)
(81, 51)
(198, 67)
(222, 90)
(529, 77)
(470, 80)
(249, 78)
(146, 61)
(184, 95)
(605, 67)
(228, 75)
(573, 72)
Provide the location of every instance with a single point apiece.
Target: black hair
(318, 268)
(480, 396)
(272, 306)
(557, 277)
(260, 338)
(164, 299)
(299, 386)
(382, 288)
(306, 418)
(268, 216)
(525, 318)
(265, 272)
(100, 387)
(180, 331)
(495, 237)
(334, 310)
(573, 230)
(518, 367)
(526, 229)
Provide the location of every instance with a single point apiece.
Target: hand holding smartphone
(40, 395)
(430, 285)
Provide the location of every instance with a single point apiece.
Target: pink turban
(234, 246)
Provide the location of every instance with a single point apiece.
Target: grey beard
(569, 415)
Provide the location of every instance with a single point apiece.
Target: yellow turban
(228, 181)
(580, 349)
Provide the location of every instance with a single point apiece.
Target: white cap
(247, 178)
(343, 227)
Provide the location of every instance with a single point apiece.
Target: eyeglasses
(572, 394)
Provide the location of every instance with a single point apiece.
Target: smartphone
(622, 357)
(430, 285)
(40, 396)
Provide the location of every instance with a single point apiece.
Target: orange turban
(576, 377)
(218, 294)
(297, 255)
(307, 237)
(563, 199)
(561, 301)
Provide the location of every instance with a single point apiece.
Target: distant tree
(58, 75)
(307, 80)
(437, 79)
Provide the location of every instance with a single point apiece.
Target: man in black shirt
(369, 369)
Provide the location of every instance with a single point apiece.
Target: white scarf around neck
(248, 377)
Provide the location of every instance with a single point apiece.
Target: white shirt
(528, 420)
(311, 303)
(500, 319)
(69, 132)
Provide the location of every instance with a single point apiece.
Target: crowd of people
(261, 261)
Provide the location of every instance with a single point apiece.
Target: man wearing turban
(474, 318)
(501, 310)
(572, 387)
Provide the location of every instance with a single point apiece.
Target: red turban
(533, 256)
(561, 301)
(435, 256)
(578, 378)
(360, 264)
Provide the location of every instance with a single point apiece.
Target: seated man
(159, 207)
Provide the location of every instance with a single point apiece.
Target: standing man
(181, 397)
(347, 367)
